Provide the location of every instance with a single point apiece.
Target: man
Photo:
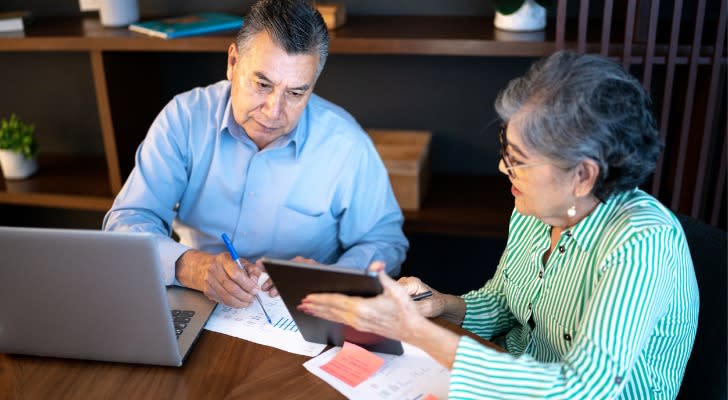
(285, 173)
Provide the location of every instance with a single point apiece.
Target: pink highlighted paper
(353, 364)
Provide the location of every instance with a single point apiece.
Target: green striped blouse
(612, 314)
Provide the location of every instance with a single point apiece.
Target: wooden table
(218, 367)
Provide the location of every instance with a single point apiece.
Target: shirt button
(618, 380)
(567, 337)
(540, 274)
(529, 306)
(567, 233)
(561, 249)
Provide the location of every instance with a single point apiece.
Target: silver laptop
(93, 295)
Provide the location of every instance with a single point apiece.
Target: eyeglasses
(506, 156)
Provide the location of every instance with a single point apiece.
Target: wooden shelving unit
(64, 181)
(471, 205)
(412, 35)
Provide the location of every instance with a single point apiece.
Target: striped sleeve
(486, 310)
(631, 296)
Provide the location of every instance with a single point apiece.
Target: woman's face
(541, 189)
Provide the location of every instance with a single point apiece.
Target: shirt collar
(588, 231)
(228, 122)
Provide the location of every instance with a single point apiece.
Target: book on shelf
(188, 25)
(14, 21)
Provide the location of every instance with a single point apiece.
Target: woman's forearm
(440, 343)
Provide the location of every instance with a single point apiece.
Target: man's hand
(218, 277)
(268, 285)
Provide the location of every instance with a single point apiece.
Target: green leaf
(507, 7)
(18, 136)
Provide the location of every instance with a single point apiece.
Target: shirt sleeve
(632, 294)
(370, 228)
(147, 201)
(486, 309)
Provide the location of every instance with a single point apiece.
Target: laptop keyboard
(181, 318)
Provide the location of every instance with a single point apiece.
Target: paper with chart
(414, 376)
(250, 324)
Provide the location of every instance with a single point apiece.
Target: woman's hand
(392, 314)
(429, 307)
(447, 306)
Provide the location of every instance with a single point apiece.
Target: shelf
(469, 205)
(63, 181)
(393, 35)
(412, 35)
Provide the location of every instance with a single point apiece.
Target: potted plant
(521, 15)
(18, 148)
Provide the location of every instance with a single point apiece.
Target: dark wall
(451, 96)
(55, 92)
(354, 7)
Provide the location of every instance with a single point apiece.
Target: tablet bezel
(295, 280)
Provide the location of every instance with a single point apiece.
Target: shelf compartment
(63, 181)
(470, 205)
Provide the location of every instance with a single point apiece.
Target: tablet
(295, 280)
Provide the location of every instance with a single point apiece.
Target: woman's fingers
(330, 306)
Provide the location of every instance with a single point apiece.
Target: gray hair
(570, 107)
(294, 25)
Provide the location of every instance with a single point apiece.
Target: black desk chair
(705, 376)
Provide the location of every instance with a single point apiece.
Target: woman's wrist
(454, 310)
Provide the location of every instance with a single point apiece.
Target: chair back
(705, 375)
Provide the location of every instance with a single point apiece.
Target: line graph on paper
(250, 324)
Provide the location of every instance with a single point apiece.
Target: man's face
(270, 88)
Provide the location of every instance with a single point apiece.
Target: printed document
(414, 376)
(250, 324)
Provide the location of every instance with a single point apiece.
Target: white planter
(15, 166)
(117, 13)
(530, 17)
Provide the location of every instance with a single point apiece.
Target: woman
(595, 294)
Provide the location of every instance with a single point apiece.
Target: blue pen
(234, 255)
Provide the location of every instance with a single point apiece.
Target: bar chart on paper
(250, 324)
(286, 324)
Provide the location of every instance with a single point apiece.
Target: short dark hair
(295, 25)
(570, 107)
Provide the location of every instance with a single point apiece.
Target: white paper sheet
(414, 375)
(250, 324)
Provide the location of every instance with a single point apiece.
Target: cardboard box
(406, 154)
(334, 14)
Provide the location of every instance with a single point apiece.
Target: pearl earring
(571, 212)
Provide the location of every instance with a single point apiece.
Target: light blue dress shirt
(321, 191)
